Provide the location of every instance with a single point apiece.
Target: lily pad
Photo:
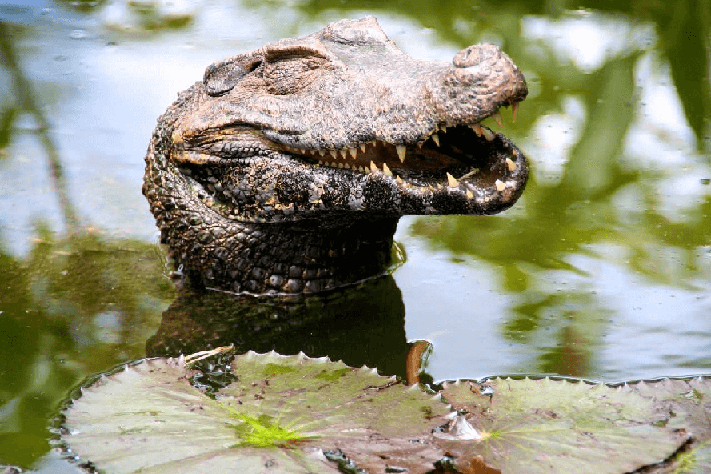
(686, 406)
(295, 414)
(544, 425)
(290, 414)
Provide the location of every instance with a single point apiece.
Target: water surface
(602, 270)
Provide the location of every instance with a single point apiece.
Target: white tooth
(362, 147)
(361, 169)
(353, 151)
(320, 162)
(386, 170)
(510, 163)
(333, 153)
(470, 195)
(500, 186)
(477, 129)
(340, 165)
(419, 144)
(401, 153)
(344, 152)
(497, 118)
(398, 180)
(373, 168)
(435, 138)
(347, 166)
(488, 134)
(514, 110)
(322, 152)
(453, 183)
(373, 142)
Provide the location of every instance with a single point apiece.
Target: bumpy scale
(286, 169)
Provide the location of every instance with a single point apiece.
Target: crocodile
(286, 169)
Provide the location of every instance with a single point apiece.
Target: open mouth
(465, 156)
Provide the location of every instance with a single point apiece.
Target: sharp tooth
(373, 142)
(347, 166)
(362, 147)
(510, 163)
(443, 128)
(340, 165)
(398, 180)
(401, 153)
(470, 195)
(435, 138)
(477, 129)
(488, 134)
(344, 152)
(353, 151)
(419, 144)
(497, 118)
(453, 183)
(514, 110)
(386, 170)
(373, 168)
(500, 186)
(322, 152)
(320, 162)
(333, 153)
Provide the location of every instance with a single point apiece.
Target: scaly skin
(286, 169)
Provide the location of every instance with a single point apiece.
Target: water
(602, 270)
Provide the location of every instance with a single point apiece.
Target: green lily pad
(289, 414)
(543, 426)
(295, 414)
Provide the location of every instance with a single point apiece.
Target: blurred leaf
(7, 119)
(686, 28)
(593, 166)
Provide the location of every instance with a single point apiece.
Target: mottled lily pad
(295, 414)
(282, 414)
(686, 406)
(544, 425)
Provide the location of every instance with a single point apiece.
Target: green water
(602, 270)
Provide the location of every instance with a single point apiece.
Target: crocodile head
(329, 130)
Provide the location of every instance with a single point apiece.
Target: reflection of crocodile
(286, 169)
(360, 325)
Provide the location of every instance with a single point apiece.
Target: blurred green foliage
(75, 306)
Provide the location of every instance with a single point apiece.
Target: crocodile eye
(222, 76)
(288, 70)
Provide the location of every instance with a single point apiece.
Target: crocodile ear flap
(221, 77)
